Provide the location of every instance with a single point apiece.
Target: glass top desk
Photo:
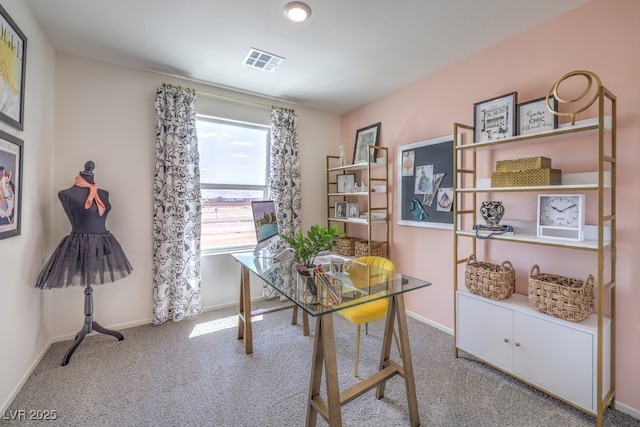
(362, 284)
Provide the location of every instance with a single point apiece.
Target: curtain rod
(228, 98)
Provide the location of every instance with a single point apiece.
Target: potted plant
(317, 239)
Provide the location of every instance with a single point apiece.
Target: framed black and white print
(346, 183)
(13, 55)
(353, 210)
(495, 118)
(366, 137)
(10, 185)
(535, 117)
(340, 210)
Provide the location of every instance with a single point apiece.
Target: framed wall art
(13, 55)
(10, 185)
(535, 117)
(495, 118)
(428, 179)
(346, 182)
(366, 137)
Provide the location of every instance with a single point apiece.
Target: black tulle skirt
(84, 259)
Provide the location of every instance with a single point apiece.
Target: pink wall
(602, 36)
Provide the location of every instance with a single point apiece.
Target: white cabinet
(549, 353)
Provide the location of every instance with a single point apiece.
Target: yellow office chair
(369, 312)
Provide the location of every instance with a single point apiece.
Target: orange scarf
(93, 194)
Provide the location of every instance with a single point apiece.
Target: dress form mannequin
(88, 256)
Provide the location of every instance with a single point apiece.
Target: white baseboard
(25, 377)
(635, 413)
(430, 322)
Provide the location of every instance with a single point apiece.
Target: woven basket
(377, 248)
(523, 164)
(526, 178)
(345, 246)
(563, 297)
(490, 280)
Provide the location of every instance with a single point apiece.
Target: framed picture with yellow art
(13, 55)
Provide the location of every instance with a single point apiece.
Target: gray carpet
(159, 376)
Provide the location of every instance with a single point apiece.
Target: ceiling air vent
(262, 60)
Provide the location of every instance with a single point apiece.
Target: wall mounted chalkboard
(425, 173)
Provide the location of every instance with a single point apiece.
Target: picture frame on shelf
(353, 210)
(495, 118)
(366, 137)
(535, 117)
(340, 210)
(13, 49)
(346, 182)
(10, 185)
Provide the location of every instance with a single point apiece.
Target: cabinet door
(555, 357)
(485, 330)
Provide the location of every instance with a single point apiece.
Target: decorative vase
(492, 212)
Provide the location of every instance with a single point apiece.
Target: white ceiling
(348, 53)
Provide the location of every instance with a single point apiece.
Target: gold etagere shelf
(602, 240)
(375, 174)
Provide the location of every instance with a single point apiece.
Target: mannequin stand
(89, 326)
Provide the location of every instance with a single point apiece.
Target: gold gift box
(527, 178)
(523, 164)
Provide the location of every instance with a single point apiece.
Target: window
(234, 168)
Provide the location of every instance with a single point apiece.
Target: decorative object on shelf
(535, 117)
(361, 248)
(363, 188)
(353, 210)
(525, 172)
(525, 163)
(417, 210)
(489, 231)
(345, 246)
(492, 212)
(317, 239)
(346, 182)
(14, 53)
(365, 137)
(490, 280)
(527, 178)
(561, 216)
(10, 185)
(563, 297)
(341, 158)
(590, 77)
(495, 118)
(340, 210)
(434, 157)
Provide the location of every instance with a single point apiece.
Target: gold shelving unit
(468, 189)
(373, 174)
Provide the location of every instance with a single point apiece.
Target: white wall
(105, 113)
(26, 313)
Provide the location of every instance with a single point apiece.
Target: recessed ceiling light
(297, 11)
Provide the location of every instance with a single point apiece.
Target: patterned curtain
(284, 175)
(176, 207)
